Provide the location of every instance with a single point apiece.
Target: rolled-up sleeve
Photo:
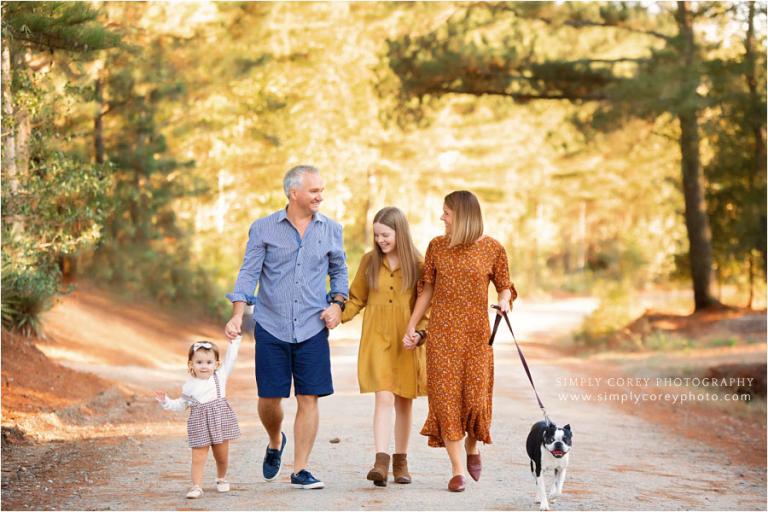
(250, 271)
(500, 276)
(337, 264)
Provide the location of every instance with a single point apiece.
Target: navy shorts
(307, 363)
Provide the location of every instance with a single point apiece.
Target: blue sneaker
(272, 461)
(304, 480)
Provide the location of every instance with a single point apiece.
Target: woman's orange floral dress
(459, 359)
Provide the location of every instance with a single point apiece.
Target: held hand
(233, 328)
(331, 316)
(410, 339)
(160, 396)
(415, 340)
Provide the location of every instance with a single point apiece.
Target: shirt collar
(386, 265)
(283, 215)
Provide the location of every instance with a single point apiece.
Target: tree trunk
(751, 269)
(696, 219)
(757, 118)
(9, 142)
(98, 124)
(23, 125)
(756, 121)
(23, 132)
(135, 204)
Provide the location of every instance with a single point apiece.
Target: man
(289, 254)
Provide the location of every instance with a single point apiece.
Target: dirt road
(619, 461)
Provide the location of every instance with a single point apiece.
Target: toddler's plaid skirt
(212, 423)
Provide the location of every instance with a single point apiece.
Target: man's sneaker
(304, 480)
(272, 461)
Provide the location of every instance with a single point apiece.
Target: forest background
(616, 148)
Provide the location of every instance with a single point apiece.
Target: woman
(385, 285)
(457, 270)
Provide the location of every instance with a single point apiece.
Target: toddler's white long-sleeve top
(204, 390)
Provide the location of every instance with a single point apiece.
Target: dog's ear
(567, 427)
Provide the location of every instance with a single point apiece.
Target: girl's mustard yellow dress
(383, 364)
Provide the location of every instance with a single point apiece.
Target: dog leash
(520, 353)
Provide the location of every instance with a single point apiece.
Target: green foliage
(146, 249)
(632, 64)
(723, 342)
(66, 203)
(735, 127)
(53, 198)
(204, 106)
(27, 293)
(614, 312)
(71, 26)
(160, 270)
(661, 341)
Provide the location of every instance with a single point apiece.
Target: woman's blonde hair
(201, 345)
(409, 256)
(467, 225)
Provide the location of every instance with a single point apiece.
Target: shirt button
(391, 287)
(391, 275)
(390, 301)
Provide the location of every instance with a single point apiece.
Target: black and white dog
(548, 447)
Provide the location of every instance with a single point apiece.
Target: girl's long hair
(410, 257)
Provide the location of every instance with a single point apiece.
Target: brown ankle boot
(380, 471)
(400, 468)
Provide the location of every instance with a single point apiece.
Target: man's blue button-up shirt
(291, 274)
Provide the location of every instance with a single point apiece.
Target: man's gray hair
(293, 177)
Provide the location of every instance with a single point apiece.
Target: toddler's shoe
(222, 485)
(195, 492)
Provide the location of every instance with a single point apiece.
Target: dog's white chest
(550, 462)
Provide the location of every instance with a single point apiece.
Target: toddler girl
(211, 423)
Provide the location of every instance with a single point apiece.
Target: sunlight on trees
(140, 142)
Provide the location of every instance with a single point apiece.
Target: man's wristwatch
(339, 303)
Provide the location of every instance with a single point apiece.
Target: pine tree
(659, 77)
(53, 204)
